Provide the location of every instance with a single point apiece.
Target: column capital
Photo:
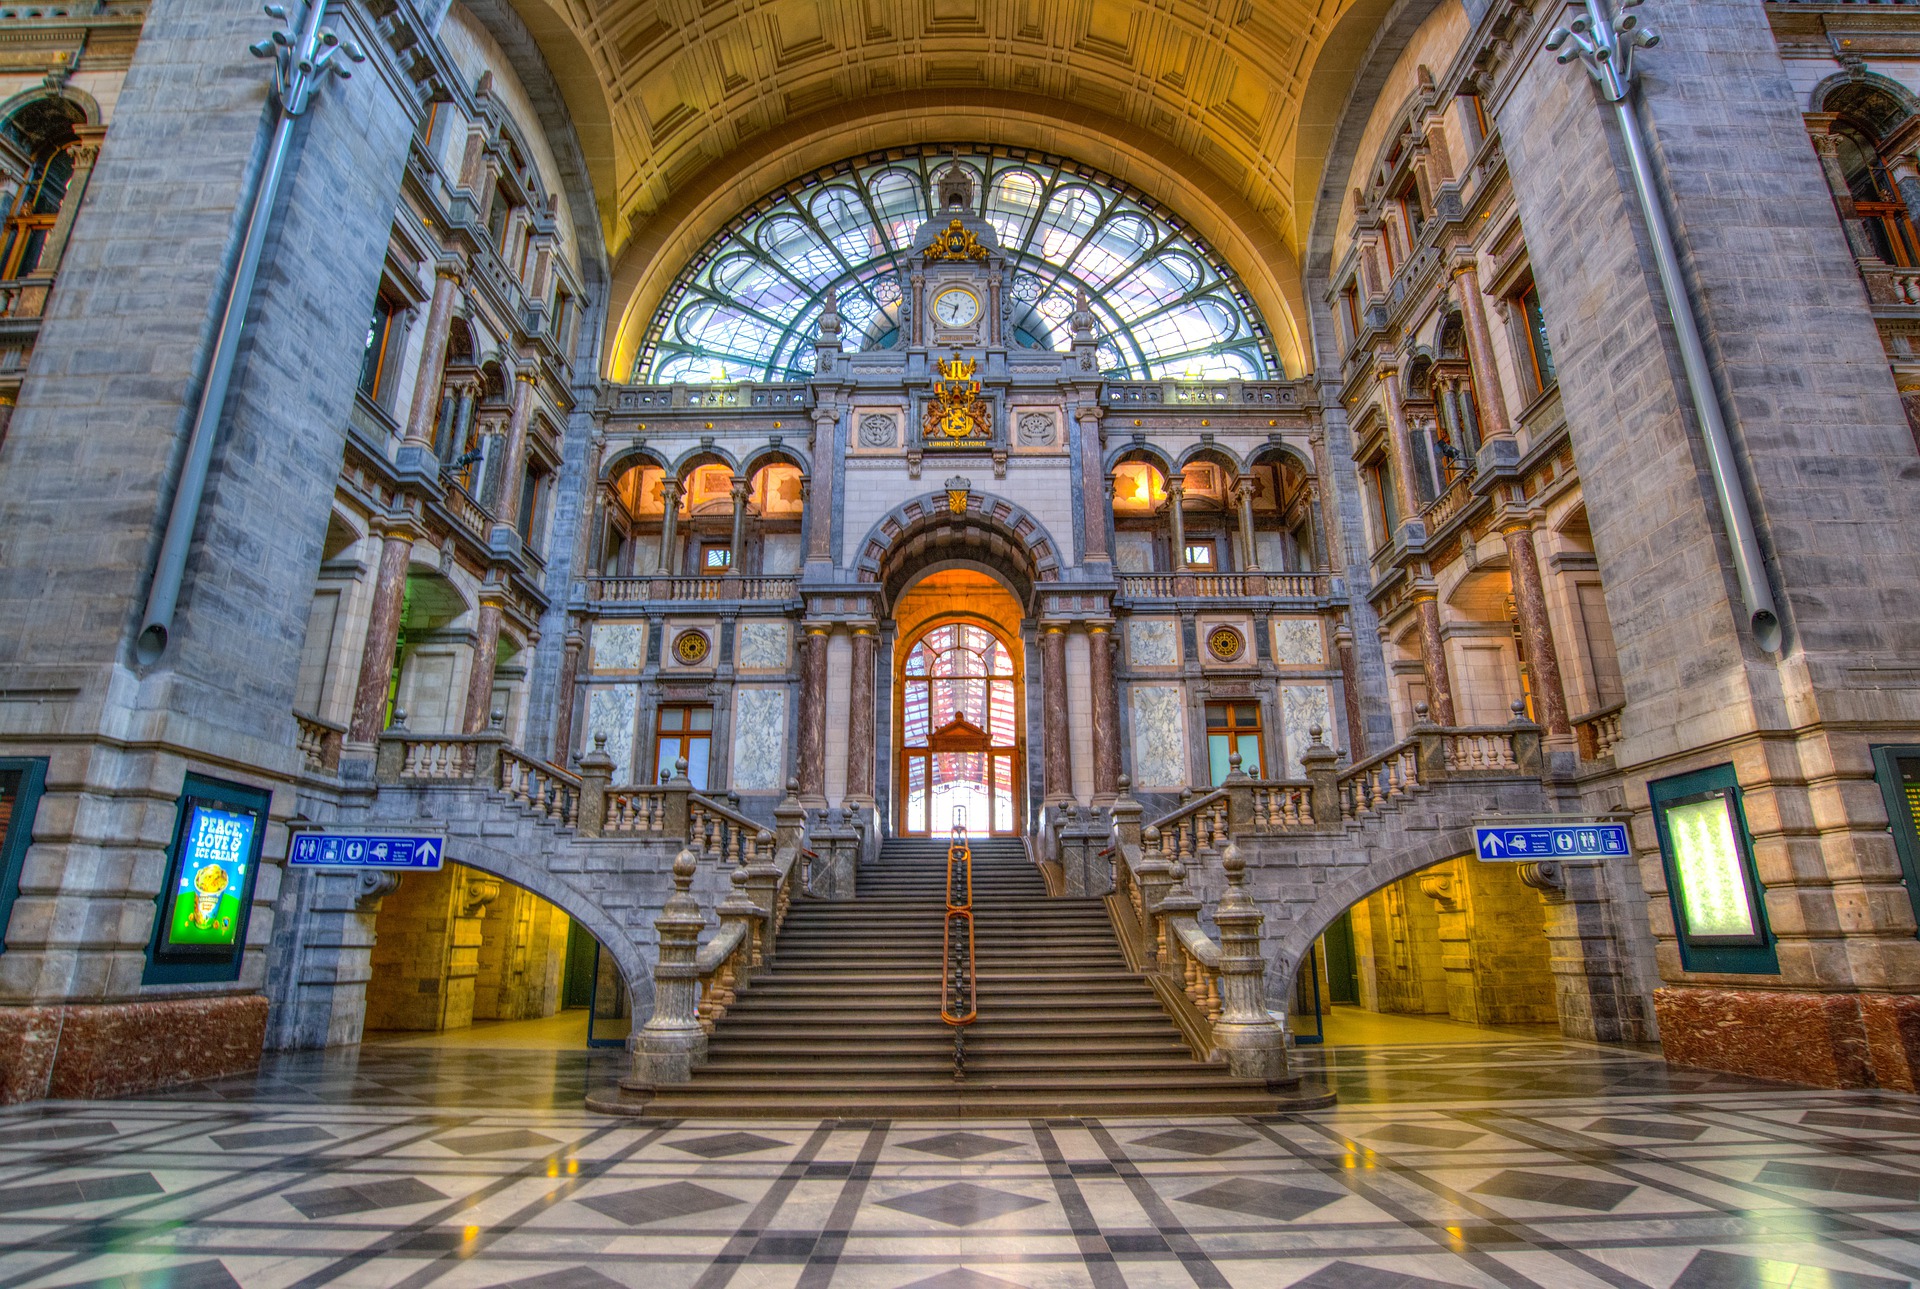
(529, 376)
(449, 273)
(400, 527)
(1054, 628)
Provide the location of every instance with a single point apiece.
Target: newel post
(739, 907)
(1526, 742)
(1246, 1033)
(596, 775)
(1430, 745)
(390, 754)
(1320, 764)
(674, 808)
(671, 1045)
(760, 875)
(1239, 788)
(1126, 814)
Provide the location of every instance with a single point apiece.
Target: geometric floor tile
(269, 1137)
(725, 1144)
(1850, 1181)
(16, 1199)
(960, 1145)
(210, 1274)
(1614, 1126)
(1549, 1188)
(1712, 1269)
(1415, 1134)
(571, 1278)
(961, 1203)
(58, 1132)
(1351, 1275)
(962, 1278)
(488, 1143)
(1263, 1199)
(364, 1197)
(1904, 1126)
(652, 1203)
(1193, 1141)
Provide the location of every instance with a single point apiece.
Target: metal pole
(301, 61)
(1605, 44)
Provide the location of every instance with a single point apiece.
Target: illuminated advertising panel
(201, 927)
(1719, 912)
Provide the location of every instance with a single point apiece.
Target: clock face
(956, 307)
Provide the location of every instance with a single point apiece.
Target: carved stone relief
(877, 431)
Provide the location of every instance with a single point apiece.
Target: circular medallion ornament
(691, 647)
(1225, 643)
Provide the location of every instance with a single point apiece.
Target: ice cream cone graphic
(208, 885)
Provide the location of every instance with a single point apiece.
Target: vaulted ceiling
(690, 109)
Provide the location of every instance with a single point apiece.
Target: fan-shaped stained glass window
(749, 305)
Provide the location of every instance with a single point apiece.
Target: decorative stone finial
(497, 718)
(684, 867)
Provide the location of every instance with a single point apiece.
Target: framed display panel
(21, 782)
(1898, 769)
(1719, 907)
(200, 920)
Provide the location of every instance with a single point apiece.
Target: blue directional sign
(366, 850)
(1557, 841)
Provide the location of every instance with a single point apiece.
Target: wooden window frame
(1527, 305)
(1235, 733)
(684, 736)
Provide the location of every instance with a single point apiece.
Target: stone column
(433, 355)
(812, 768)
(383, 630)
(820, 488)
(1106, 724)
(1093, 487)
(486, 648)
(1433, 656)
(1057, 778)
(1176, 492)
(1350, 693)
(742, 489)
(669, 564)
(1249, 548)
(1486, 377)
(563, 701)
(860, 715)
(85, 154)
(1530, 598)
(1399, 447)
(513, 462)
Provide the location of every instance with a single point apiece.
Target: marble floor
(1524, 1162)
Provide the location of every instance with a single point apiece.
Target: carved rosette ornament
(876, 431)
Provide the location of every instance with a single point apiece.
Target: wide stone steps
(846, 1019)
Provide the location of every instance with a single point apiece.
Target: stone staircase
(847, 1020)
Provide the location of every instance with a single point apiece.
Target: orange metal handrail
(957, 974)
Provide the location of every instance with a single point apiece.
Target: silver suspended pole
(304, 54)
(1605, 42)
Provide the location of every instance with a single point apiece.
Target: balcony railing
(1451, 502)
(472, 516)
(638, 590)
(24, 297)
(1223, 586)
(319, 743)
(666, 398)
(1223, 393)
(1599, 732)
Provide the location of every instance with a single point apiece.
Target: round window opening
(691, 647)
(1225, 643)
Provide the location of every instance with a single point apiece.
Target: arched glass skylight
(748, 306)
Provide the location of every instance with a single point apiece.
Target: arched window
(1868, 117)
(749, 304)
(960, 727)
(40, 138)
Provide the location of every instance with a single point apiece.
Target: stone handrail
(643, 810)
(642, 398)
(639, 590)
(546, 790)
(1379, 779)
(717, 832)
(1198, 825)
(1451, 502)
(1599, 732)
(1223, 586)
(319, 743)
(461, 505)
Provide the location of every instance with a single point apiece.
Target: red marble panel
(1893, 1039)
(1796, 1037)
(107, 1050)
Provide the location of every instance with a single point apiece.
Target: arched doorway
(959, 732)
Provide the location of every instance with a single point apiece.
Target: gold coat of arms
(957, 412)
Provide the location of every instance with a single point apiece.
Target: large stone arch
(988, 530)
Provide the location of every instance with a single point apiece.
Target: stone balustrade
(1224, 586)
(319, 743)
(1599, 732)
(640, 590)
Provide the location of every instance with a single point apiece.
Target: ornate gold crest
(956, 411)
(955, 243)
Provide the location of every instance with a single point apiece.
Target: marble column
(562, 753)
(1350, 694)
(513, 463)
(383, 631)
(1176, 492)
(1399, 446)
(1530, 598)
(1433, 656)
(1486, 377)
(1106, 724)
(1249, 548)
(742, 489)
(820, 489)
(860, 716)
(433, 357)
(1057, 776)
(812, 768)
(486, 648)
(669, 564)
(1093, 488)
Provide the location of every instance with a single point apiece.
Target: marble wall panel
(611, 710)
(1159, 738)
(762, 646)
(619, 646)
(1133, 552)
(1299, 642)
(1153, 642)
(1301, 708)
(759, 738)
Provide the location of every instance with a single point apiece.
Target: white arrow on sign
(428, 851)
(1491, 844)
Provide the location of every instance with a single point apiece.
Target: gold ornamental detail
(954, 242)
(957, 412)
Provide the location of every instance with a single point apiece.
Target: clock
(956, 307)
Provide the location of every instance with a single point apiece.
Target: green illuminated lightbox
(21, 780)
(1718, 906)
(200, 929)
